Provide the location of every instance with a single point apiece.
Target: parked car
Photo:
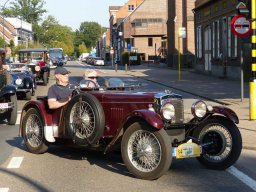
(148, 128)
(98, 61)
(37, 62)
(23, 79)
(8, 98)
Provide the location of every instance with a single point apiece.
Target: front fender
(9, 89)
(227, 112)
(150, 117)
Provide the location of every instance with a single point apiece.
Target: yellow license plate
(186, 150)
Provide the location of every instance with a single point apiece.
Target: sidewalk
(224, 91)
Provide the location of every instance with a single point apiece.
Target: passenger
(92, 76)
(60, 93)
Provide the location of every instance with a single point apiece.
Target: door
(208, 49)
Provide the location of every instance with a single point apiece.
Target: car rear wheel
(33, 132)
(146, 151)
(85, 119)
(12, 114)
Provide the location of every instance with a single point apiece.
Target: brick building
(180, 15)
(117, 15)
(15, 29)
(218, 50)
(145, 29)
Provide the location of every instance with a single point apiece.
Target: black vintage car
(8, 98)
(23, 79)
(37, 62)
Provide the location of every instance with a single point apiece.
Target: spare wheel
(85, 119)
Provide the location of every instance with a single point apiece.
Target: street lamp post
(3, 23)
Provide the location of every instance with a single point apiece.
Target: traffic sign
(241, 8)
(240, 26)
(112, 51)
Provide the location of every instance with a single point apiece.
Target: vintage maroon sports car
(148, 127)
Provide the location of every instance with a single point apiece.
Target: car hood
(16, 75)
(124, 96)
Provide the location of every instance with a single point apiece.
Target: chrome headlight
(37, 68)
(168, 111)
(199, 109)
(18, 81)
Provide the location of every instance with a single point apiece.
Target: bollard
(253, 77)
(125, 67)
(116, 67)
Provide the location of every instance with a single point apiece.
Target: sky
(73, 12)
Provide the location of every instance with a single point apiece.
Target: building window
(130, 7)
(199, 41)
(216, 39)
(150, 42)
(232, 42)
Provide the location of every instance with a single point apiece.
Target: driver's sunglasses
(92, 77)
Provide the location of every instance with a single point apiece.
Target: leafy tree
(82, 49)
(52, 34)
(29, 10)
(89, 33)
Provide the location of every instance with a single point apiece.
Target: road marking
(15, 162)
(242, 177)
(4, 189)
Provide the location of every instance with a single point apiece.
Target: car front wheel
(33, 132)
(146, 151)
(222, 142)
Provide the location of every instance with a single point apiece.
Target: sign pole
(179, 56)
(253, 77)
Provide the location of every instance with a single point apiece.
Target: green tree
(89, 33)
(29, 10)
(82, 49)
(52, 34)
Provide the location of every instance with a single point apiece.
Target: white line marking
(242, 177)
(4, 189)
(15, 162)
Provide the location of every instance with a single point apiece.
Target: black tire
(45, 78)
(12, 114)
(33, 132)
(28, 95)
(156, 141)
(85, 119)
(226, 142)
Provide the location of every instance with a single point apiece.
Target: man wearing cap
(60, 93)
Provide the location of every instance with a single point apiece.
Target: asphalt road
(73, 169)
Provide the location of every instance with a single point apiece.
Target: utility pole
(253, 75)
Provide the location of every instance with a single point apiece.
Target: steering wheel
(87, 83)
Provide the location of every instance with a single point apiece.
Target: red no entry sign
(240, 26)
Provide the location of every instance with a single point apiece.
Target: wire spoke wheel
(34, 132)
(82, 119)
(144, 151)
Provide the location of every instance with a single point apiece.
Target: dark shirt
(59, 92)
